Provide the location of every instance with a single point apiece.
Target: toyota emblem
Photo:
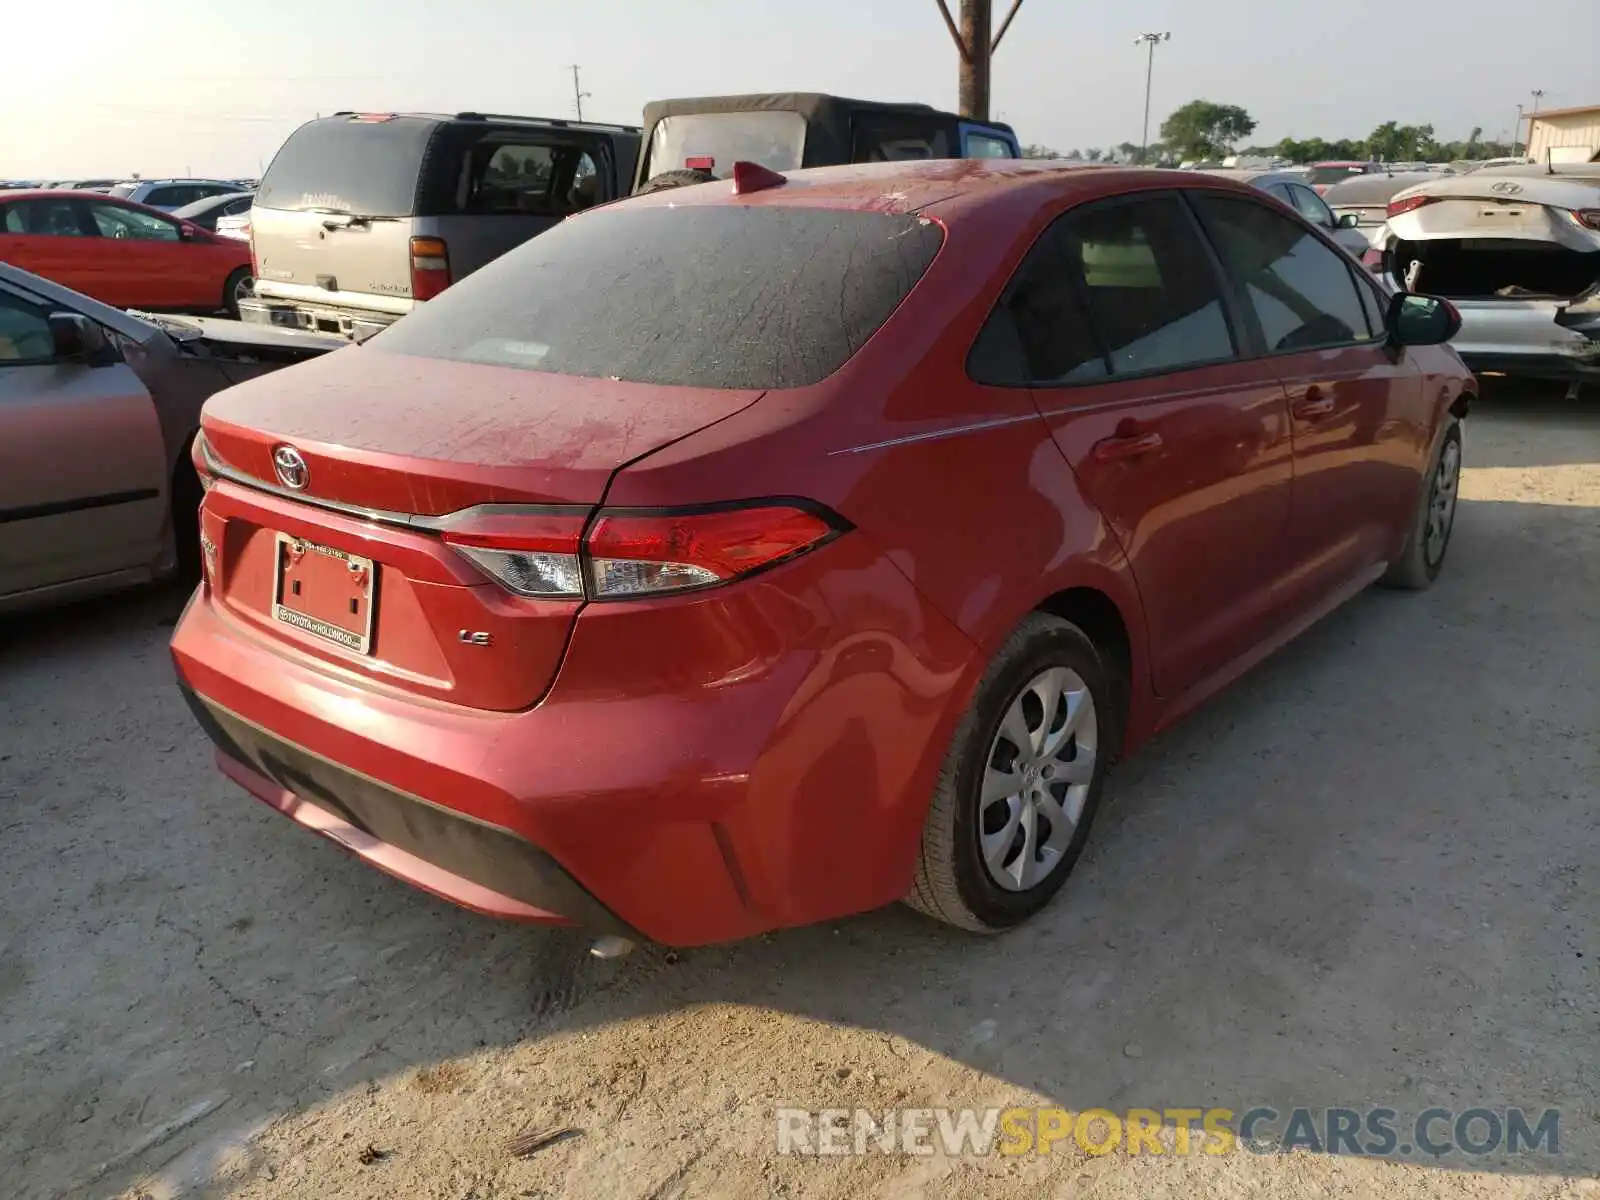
(291, 468)
(1506, 187)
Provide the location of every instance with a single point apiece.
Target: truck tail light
(430, 267)
(629, 553)
(1408, 204)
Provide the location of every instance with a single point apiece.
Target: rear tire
(239, 285)
(1042, 721)
(1434, 521)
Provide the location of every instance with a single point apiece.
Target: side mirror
(1348, 220)
(74, 337)
(1415, 320)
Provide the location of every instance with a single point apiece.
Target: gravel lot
(1368, 875)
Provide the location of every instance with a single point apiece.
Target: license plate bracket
(328, 593)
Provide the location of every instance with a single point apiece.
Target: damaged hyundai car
(1517, 251)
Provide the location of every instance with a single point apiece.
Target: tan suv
(361, 215)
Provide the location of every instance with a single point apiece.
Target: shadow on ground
(1367, 875)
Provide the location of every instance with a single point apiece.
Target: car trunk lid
(388, 444)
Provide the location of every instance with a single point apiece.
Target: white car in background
(1517, 250)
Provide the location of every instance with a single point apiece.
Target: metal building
(1572, 134)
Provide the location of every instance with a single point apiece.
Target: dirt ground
(1367, 875)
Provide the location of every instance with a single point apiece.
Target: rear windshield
(363, 167)
(772, 138)
(716, 296)
(124, 189)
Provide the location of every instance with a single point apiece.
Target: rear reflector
(703, 162)
(430, 267)
(1408, 204)
(630, 553)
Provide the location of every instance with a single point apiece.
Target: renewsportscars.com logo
(1380, 1132)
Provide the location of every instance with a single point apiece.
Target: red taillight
(430, 267)
(1408, 204)
(1589, 217)
(531, 553)
(201, 461)
(629, 553)
(1373, 260)
(701, 162)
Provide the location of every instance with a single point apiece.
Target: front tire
(1021, 783)
(1422, 559)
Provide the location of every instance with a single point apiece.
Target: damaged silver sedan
(1517, 249)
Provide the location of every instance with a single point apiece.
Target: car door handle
(1315, 403)
(1116, 449)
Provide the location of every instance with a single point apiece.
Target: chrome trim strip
(932, 435)
(382, 516)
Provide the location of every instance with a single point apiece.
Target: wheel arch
(1103, 622)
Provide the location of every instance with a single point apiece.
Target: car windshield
(773, 139)
(365, 167)
(719, 296)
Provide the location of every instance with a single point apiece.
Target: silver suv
(362, 215)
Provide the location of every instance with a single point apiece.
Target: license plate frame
(362, 575)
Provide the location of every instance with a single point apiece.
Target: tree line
(1204, 131)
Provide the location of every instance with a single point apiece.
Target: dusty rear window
(714, 296)
(367, 168)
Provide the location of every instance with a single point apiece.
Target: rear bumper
(355, 324)
(471, 863)
(702, 768)
(1525, 338)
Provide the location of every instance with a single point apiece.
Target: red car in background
(122, 253)
(755, 553)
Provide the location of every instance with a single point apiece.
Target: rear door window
(987, 145)
(525, 177)
(718, 296)
(1118, 289)
(1301, 292)
(50, 218)
(363, 167)
(897, 139)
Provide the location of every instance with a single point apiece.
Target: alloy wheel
(1036, 779)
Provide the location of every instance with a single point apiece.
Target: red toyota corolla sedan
(123, 253)
(752, 554)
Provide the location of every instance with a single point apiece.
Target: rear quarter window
(367, 168)
(714, 296)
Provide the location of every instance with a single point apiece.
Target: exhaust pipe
(611, 946)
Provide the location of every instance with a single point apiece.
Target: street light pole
(1152, 40)
(578, 95)
(1516, 133)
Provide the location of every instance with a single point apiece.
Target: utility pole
(1152, 40)
(1516, 132)
(578, 95)
(976, 49)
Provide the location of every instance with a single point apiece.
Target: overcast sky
(112, 87)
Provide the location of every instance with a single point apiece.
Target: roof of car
(815, 107)
(913, 185)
